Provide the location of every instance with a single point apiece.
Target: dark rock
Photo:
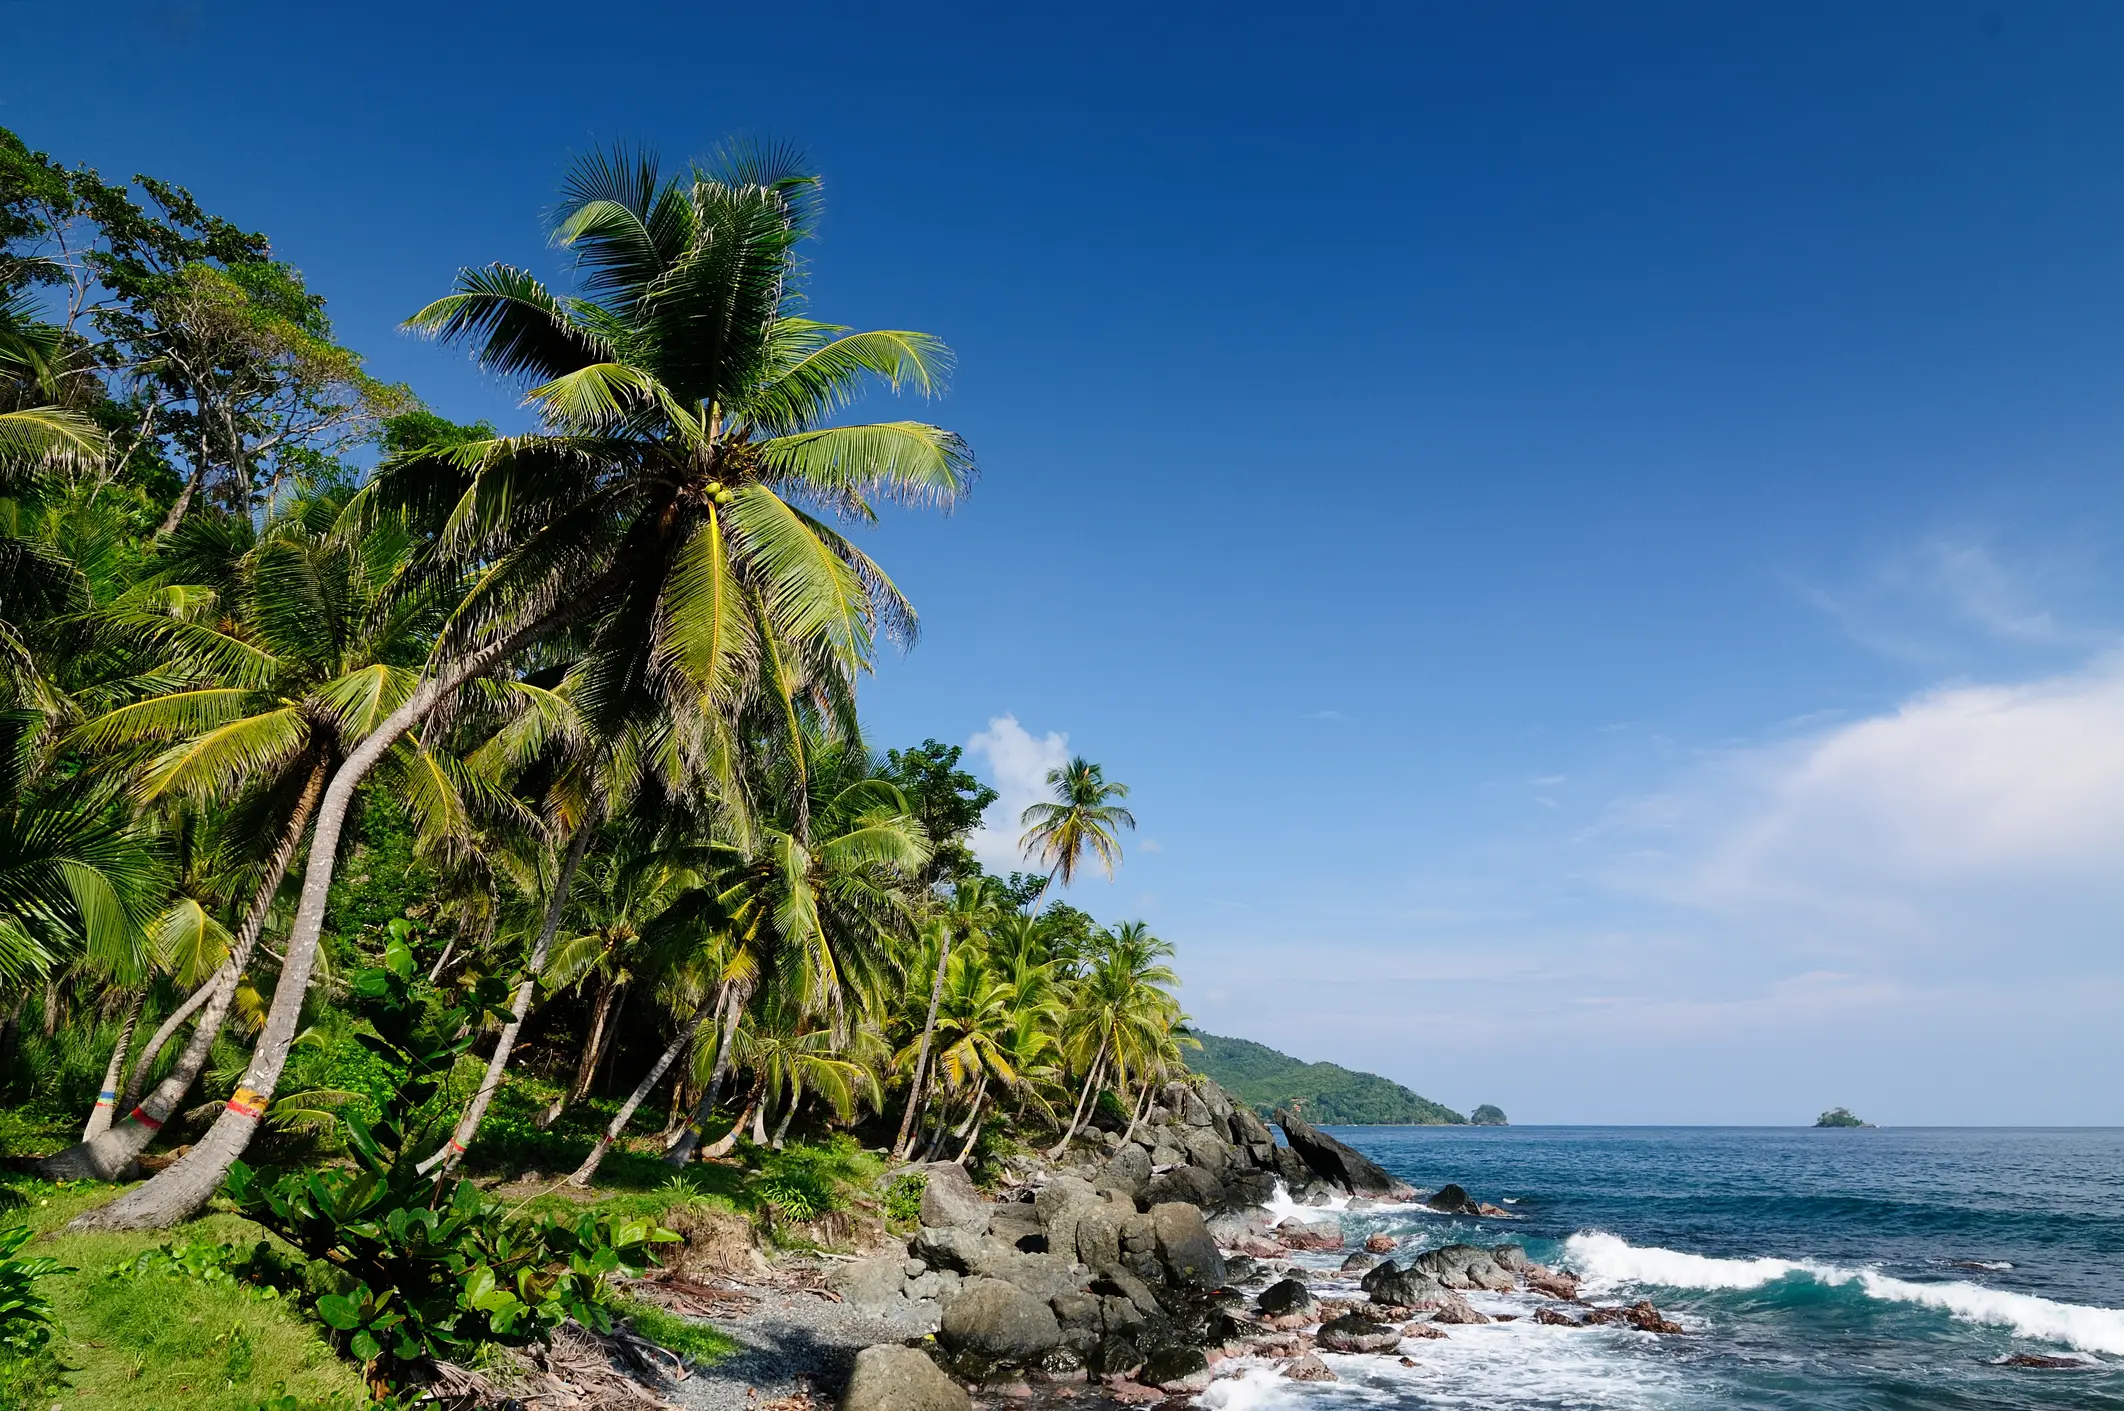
(1359, 1262)
(1120, 1281)
(999, 1319)
(1116, 1357)
(1379, 1273)
(1176, 1370)
(1553, 1282)
(2047, 1363)
(1246, 1188)
(1411, 1288)
(1128, 1171)
(1058, 1364)
(1075, 1310)
(1552, 1318)
(1239, 1269)
(1511, 1258)
(1463, 1266)
(889, 1377)
(1288, 1304)
(1017, 1225)
(1194, 1111)
(1185, 1248)
(1452, 1200)
(1350, 1333)
(1186, 1183)
(1307, 1368)
(1381, 1244)
(1337, 1164)
(1455, 1309)
(1640, 1315)
(950, 1201)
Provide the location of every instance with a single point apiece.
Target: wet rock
(1288, 1304)
(1423, 1330)
(1290, 1167)
(1452, 1200)
(1338, 1164)
(1116, 1357)
(1359, 1262)
(2047, 1363)
(1553, 1282)
(1410, 1288)
(1381, 1244)
(1060, 1364)
(1307, 1368)
(1120, 1282)
(893, 1378)
(1351, 1333)
(1640, 1315)
(1454, 1309)
(1176, 1370)
(949, 1201)
(1185, 1183)
(1553, 1318)
(1246, 1189)
(1240, 1269)
(999, 1319)
(1464, 1266)
(1310, 1234)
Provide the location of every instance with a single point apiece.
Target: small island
(1840, 1117)
(1488, 1115)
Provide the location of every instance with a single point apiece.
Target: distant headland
(1327, 1093)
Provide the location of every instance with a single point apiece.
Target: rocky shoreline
(1163, 1259)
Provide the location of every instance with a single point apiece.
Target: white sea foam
(1606, 1262)
(1281, 1207)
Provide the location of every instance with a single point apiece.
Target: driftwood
(579, 1370)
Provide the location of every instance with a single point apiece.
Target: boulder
(1058, 1364)
(1381, 1244)
(1017, 1225)
(1453, 1200)
(1098, 1234)
(1206, 1149)
(1290, 1167)
(1307, 1368)
(1129, 1171)
(871, 1283)
(1553, 1282)
(1554, 1319)
(999, 1320)
(1116, 1357)
(1288, 1303)
(963, 1252)
(1337, 1164)
(1249, 1130)
(1194, 1111)
(1455, 1309)
(1640, 1315)
(1378, 1274)
(1189, 1184)
(939, 1284)
(1075, 1310)
(1351, 1333)
(1464, 1266)
(1119, 1282)
(889, 1377)
(1176, 1370)
(1185, 1248)
(1409, 1288)
(1167, 1153)
(1359, 1263)
(1421, 1330)
(1512, 1258)
(1310, 1234)
(1218, 1101)
(949, 1201)
(1246, 1189)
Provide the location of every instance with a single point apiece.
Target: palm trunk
(682, 1150)
(588, 1169)
(144, 1062)
(586, 1070)
(99, 1118)
(759, 1122)
(442, 960)
(1135, 1116)
(796, 1100)
(183, 1189)
(104, 1158)
(448, 1155)
(973, 1123)
(723, 1144)
(921, 1068)
(1090, 1078)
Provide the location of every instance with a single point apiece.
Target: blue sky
(1592, 531)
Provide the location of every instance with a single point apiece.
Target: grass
(164, 1341)
(696, 1342)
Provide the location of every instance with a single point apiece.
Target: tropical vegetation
(386, 801)
(1323, 1092)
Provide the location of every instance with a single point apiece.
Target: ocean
(1815, 1270)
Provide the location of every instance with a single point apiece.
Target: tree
(975, 903)
(1083, 818)
(947, 801)
(1120, 1015)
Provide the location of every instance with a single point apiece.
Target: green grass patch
(696, 1342)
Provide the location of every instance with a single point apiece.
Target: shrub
(25, 1313)
(903, 1198)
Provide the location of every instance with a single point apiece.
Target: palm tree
(1119, 1012)
(975, 902)
(1083, 818)
(667, 505)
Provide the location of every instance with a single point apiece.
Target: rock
(1411, 1288)
(1075, 1310)
(1358, 1263)
(1132, 1290)
(1218, 1101)
(1098, 1240)
(1129, 1171)
(1116, 1357)
(1186, 1184)
(1167, 1153)
(1232, 1226)
(999, 1319)
(1017, 1225)
(950, 1201)
(1455, 1309)
(1511, 1258)
(1246, 1189)
(1185, 1248)
(1310, 1234)
(1640, 1315)
(1249, 1130)
(1058, 1364)
(1307, 1368)
(1550, 1317)
(1381, 1244)
(1379, 1273)
(1553, 1282)
(1194, 1111)
(1133, 1393)
(1290, 1167)
(1422, 1330)
(1337, 1164)
(1176, 1370)
(1452, 1200)
(1288, 1304)
(889, 1377)
(939, 1284)
(1351, 1333)
(1463, 1266)
(2047, 1363)
(1206, 1149)
(1238, 1269)
(871, 1283)
(1058, 1195)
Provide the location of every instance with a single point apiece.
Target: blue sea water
(1816, 1270)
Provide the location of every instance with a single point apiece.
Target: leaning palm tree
(1119, 1011)
(975, 903)
(674, 503)
(1083, 819)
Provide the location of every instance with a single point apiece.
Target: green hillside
(1331, 1095)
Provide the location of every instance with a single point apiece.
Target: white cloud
(1017, 765)
(2012, 794)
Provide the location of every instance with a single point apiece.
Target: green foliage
(1265, 1079)
(258, 1271)
(698, 1343)
(1488, 1115)
(903, 1198)
(25, 1311)
(423, 1277)
(806, 1181)
(946, 800)
(1840, 1117)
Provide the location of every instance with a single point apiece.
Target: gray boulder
(1194, 1111)
(1167, 1152)
(1128, 1172)
(871, 1283)
(1248, 1129)
(894, 1378)
(1351, 1333)
(1307, 1368)
(1464, 1266)
(1185, 1248)
(999, 1319)
(1206, 1149)
(950, 1200)
(1288, 1304)
(1408, 1288)
(1176, 1371)
(1014, 1224)
(1511, 1258)
(1190, 1184)
(1338, 1164)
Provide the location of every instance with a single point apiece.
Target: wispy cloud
(1017, 765)
(1930, 600)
